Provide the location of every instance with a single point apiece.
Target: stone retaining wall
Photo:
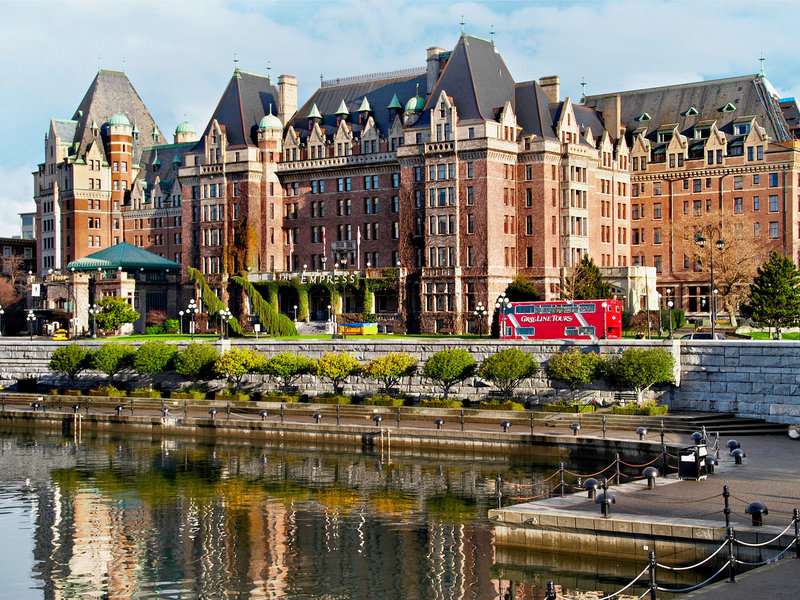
(752, 379)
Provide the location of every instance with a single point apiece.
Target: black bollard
(438, 423)
(213, 413)
(398, 417)
(118, 408)
(505, 425)
(263, 414)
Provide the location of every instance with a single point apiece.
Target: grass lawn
(763, 335)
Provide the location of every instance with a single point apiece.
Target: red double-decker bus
(561, 319)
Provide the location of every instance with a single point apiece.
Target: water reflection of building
(125, 524)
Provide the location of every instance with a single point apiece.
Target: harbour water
(127, 517)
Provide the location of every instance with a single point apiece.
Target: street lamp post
(93, 310)
(669, 305)
(720, 245)
(225, 316)
(501, 305)
(30, 318)
(480, 313)
(344, 292)
(2, 312)
(295, 313)
(192, 310)
(659, 314)
(180, 329)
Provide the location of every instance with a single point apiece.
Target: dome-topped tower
(185, 132)
(270, 122)
(415, 104)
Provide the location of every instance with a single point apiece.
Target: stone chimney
(287, 97)
(551, 87)
(612, 114)
(434, 67)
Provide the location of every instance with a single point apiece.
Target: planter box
(73, 393)
(568, 408)
(647, 411)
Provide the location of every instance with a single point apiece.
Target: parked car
(61, 335)
(703, 336)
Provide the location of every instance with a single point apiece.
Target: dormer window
(741, 128)
(702, 133)
(728, 108)
(691, 112)
(664, 137)
(644, 117)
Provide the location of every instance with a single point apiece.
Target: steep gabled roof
(123, 255)
(111, 92)
(749, 94)
(242, 106)
(533, 113)
(167, 169)
(477, 79)
(378, 92)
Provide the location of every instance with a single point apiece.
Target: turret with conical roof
(270, 122)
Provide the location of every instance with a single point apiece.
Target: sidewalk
(777, 581)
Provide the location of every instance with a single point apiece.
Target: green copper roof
(270, 122)
(415, 104)
(185, 127)
(365, 107)
(119, 119)
(314, 112)
(395, 103)
(342, 110)
(177, 160)
(123, 255)
(156, 162)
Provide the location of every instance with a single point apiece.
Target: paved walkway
(777, 581)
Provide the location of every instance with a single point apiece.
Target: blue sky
(179, 55)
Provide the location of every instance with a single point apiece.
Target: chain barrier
(770, 560)
(694, 587)
(698, 564)
(777, 537)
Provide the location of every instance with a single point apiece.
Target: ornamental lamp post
(295, 313)
(669, 305)
(2, 312)
(30, 318)
(225, 316)
(192, 310)
(720, 245)
(659, 313)
(480, 313)
(181, 313)
(93, 310)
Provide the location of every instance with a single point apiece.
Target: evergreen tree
(522, 289)
(585, 282)
(774, 298)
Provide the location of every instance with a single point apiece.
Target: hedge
(647, 411)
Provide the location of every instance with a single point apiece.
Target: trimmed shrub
(193, 395)
(506, 369)
(279, 398)
(632, 409)
(153, 357)
(568, 407)
(381, 400)
(336, 368)
(196, 361)
(229, 395)
(144, 393)
(574, 368)
(113, 357)
(497, 405)
(389, 368)
(107, 390)
(449, 367)
(236, 363)
(331, 399)
(441, 403)
(70, 360)
(640, 368)
(287, 367)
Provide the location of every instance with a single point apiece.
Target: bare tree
(734, 263)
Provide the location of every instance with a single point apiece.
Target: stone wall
(752, 379)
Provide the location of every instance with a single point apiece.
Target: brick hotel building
(453, 176)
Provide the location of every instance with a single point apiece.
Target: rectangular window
(686, 207)
(657, 210)
(470, 223)
(657, 235)
(737, 205)
(395, 180)
(657, 263)
(749, 153)
(470, 195)
(395, 204)
(528, 225)
(698, 208)
(773, 230)
(760, 153)
(773, 180)
(697, 185)
(737, 182)
(469, 170)
(756, 229)
(773, 203)
(755, 179)
(756, 203)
